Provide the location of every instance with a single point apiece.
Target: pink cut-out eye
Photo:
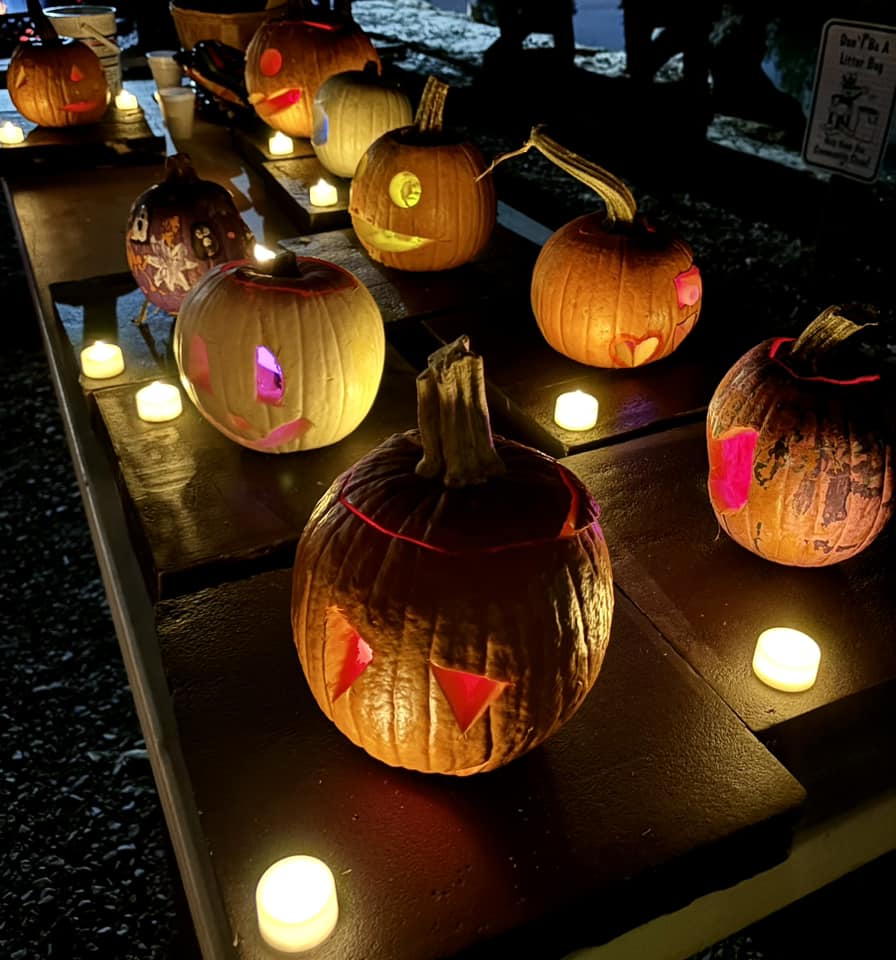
(197, 364)
(731, 467)
(76, 76)
(689, 286)
(271, 62)
(268, 377)
(468, 694)
(348, 655)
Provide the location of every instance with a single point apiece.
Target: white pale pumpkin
(282, 356)
(351, 110)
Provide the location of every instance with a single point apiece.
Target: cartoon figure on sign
(842, 116)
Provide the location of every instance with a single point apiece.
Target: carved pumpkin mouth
(389, 241)
(81, 106)
(275, 103)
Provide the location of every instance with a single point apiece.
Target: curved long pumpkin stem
(430, 110)
(452, 414)
(617, 197)
(831, 341)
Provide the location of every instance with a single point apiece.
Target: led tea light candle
(159, 402)
(125, 100)
(262, 253)
(11, 132)
(296, 904)
(100, 360)
(575, 411)
(322, 194)
(786, 659)
(280, 145)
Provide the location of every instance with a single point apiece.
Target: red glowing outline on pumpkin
(81, 106)
(567, 530)
(235, 265)
(468, 694)
(332, 27)
(778, 342)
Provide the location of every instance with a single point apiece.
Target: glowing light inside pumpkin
(348, 654)
(296, 904)
(405, 190)
(731, 467)
(268, 377)
(468, 694)
(76, 76)
(786, 659)
(271, 62)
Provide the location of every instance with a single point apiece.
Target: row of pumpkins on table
(442, 623)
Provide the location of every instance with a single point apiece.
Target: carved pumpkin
(281, 356)
(178, 230)
(351, 110)
(800, 455)
(452, 593)
(290, 56)
(416, 203)
(611, 289)
(56, 81)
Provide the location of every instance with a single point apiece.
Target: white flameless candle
(159, 402)
(125, 100)
(575, 411)
(322, 194)
(262, 253)
(101, 360)
(280, 145)
(786, 659)
(11, 132)
(296, 904)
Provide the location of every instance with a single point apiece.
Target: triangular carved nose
(468, 694)
(348, 655)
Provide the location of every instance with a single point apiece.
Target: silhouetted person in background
(517, 19)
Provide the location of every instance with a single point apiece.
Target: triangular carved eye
(468, 694)
(347, 654)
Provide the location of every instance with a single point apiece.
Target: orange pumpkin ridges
(800, 446)
(443, 622)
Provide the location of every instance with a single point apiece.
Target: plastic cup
(178, 109)
(166, 71)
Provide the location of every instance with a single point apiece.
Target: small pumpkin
(179, 229)
(418, 200)
(281, 356)
(292, 54)
(610, 288)
(800, 453)
(351, 110)
(56, 81)
(452, 592)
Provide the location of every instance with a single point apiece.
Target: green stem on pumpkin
(42, 23)
(830, 341)
(430, 110)
(617, 197)
(452, 414)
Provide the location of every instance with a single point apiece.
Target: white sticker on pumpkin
(169, 265)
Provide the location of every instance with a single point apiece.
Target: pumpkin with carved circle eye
(290, 56)
(281, 356)
(416, 200)
(351, 110)
(56, 81)
(800, 442)
(452, 591)
(179, 229)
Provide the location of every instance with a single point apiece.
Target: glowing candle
(575, 411)
(159, 402)
(786, 659)
(322, 194)
(125, 100)
(296, 904)
(11, 132)
(101, 360)
(280, 145)
(262, 253)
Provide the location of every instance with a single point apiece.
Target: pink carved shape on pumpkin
(286, 433)
(353, 654)
(268, 377)
(468, 694)
(689, 287)
(731, 467)
(631, 351)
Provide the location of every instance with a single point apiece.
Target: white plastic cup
(178, 109)
(96, 27)
(166, 71)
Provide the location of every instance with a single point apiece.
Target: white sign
(853, 99)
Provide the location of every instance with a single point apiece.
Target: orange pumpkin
(452, 593)
(56, 81)
(416, 201)
(290, 56)
(800, 448)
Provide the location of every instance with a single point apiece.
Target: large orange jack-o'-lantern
(291, 55)
(800, 439)
(418, 200)
(452, 593)
(55, 81)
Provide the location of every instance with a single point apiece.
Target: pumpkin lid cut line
(248, 274)
(775, 349)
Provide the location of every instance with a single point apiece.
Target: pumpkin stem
(42, 23)
(284, 264)
(452, 414)
(832, 343)
(430, 110)
(324, 11)
(179, 166)
(617, 197)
